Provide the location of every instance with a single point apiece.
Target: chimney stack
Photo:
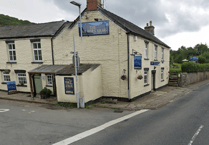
(92, 5)
(150, 29)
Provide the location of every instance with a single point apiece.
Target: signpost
(69, 85)
(94, 28)
(137, 62)
(11, 86)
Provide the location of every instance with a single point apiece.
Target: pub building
(118, 59)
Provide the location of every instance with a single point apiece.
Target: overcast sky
(177, 22)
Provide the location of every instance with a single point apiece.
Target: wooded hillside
(7, 20)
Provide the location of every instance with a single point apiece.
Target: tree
(201, 59)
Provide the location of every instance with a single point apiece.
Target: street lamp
(76, 54)
(79, 5)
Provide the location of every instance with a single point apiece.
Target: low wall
(190, 78)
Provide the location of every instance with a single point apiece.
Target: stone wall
(190, 78)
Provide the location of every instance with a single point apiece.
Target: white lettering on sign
(4, 110)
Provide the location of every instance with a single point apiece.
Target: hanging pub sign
(11, 86)
(69, 85)
(94, 28)
(137, 62)
(154, 63)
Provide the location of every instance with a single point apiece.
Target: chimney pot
(150, 29)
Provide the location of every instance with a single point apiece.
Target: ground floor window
(6, 77)
(22, 79)
(162, 74)
(49, 80)
(145, 77)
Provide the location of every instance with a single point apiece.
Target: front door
(38, 83)
(153, 79)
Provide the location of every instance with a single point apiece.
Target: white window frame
(6, 75)
(145, 74)
(48, 82)
(155, 53)
(146, 51)
(37, 49)
(162, 54)
(162, 74)
(14, 57)
(19, 77)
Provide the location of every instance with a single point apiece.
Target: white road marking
(195, 135)
(4, 110)
(23, 110)
(97, 129)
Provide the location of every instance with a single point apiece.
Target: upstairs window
(37, 51)
(22, 78)
(12, 52)
(162, 53)
(146, 51)
(155, 53)
(6, 77)
(49, 80)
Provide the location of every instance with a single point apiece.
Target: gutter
(128, 33)
(52, 49)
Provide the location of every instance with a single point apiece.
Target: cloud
(169, 17)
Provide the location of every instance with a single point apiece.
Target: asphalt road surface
(182, 122)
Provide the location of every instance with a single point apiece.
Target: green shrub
(45, 91)
(201, 59)
(194, 67)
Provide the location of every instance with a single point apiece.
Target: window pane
(14, 57)
(39, 52)
(36, 57)
(10, 46)
(34, 45)
(35, 52)
(11, 58)
(14, 53)
(10, 53)
(13, 46)
(40, 57)
(39, 45)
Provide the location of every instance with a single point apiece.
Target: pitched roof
(130, 27)
(126, 25)
(35, 30)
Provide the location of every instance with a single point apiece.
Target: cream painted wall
(24, 53)
(89, 85)
(108, 50)
(137, 86)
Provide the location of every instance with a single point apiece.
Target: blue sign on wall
(137, 62)
(11, 86)
(94, 28)
(69, 85)
(154, 63)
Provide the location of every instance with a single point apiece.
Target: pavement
(153, 101)
(156, 99)
(24, 97)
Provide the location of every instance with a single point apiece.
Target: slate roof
(35, 30)
(63, 69)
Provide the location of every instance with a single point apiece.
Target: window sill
(11, 62)
(146, 85)
(21, 85)
(3, 83)
(162, 80)
(49, 85)
(36, 62)
(146, 58)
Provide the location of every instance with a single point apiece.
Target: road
(178, 123)
(182, 122)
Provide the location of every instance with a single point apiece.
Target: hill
(7, 20)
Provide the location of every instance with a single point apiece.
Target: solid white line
(3, 110)
(97, 129)
(195, 135)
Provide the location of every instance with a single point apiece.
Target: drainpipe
(128, 66)
(52, 49)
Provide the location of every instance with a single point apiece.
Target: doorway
(38, 83)
(153, 80)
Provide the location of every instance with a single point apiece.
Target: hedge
(194, 67)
